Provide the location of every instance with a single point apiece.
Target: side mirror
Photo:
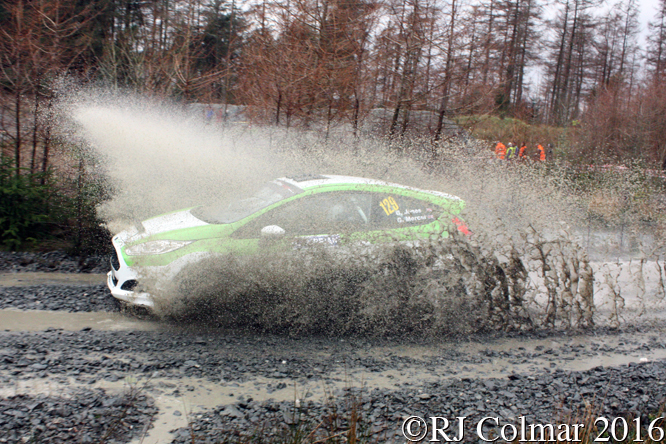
(272, 232)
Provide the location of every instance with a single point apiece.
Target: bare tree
(448, 69)
(566, 58)
(39, 40)
(656, 51)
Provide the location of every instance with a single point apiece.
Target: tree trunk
(489, 40)
(394, 120)
(448, 68)
(565, 98)
(17, 149)
(511, 58)
(523, 51)
(560, 57)
(47, 142)
(355, 115)
(34, 134)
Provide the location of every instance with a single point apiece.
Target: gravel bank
(227, 357)
(632, 390)
(71, 298)
(430, 377)
(85, 416)
(59, 261)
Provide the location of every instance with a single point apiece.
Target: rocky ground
(52, 261)
(84, 416)
(71, 298)
(242, 383)
(548, 397)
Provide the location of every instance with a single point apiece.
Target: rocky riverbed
(71, 298)
(82, 416)
(216, 384)
(569, 397)
(52, 261)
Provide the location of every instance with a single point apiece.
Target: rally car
(287, 213)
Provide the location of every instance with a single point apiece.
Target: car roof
(306, 182)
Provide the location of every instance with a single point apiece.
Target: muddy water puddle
(37, 320)
(180, 400)
(43, 278)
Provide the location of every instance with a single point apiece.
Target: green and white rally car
(287, 213)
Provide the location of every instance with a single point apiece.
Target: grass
(507, 129)
(333, 427)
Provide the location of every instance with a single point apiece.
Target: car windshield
(236, 210)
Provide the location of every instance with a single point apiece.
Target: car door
(329, 218)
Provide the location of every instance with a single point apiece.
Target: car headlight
(155, 247)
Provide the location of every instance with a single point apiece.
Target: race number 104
(618, 429)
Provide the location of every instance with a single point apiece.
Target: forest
(598, 93)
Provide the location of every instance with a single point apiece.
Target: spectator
(500, 150)
(511, 151)
(521, 152)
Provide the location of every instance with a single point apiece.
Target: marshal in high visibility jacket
(511, 152)
(500, 150)
(521, 152)
(542, 153)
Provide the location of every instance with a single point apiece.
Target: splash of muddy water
(523, 268)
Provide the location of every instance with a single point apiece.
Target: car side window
(395, 211)
(325, 213)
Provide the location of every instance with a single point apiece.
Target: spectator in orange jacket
(500, 150)
(541, 152)
(521, 152)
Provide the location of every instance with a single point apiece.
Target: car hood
(160, 224)
(171, 221)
